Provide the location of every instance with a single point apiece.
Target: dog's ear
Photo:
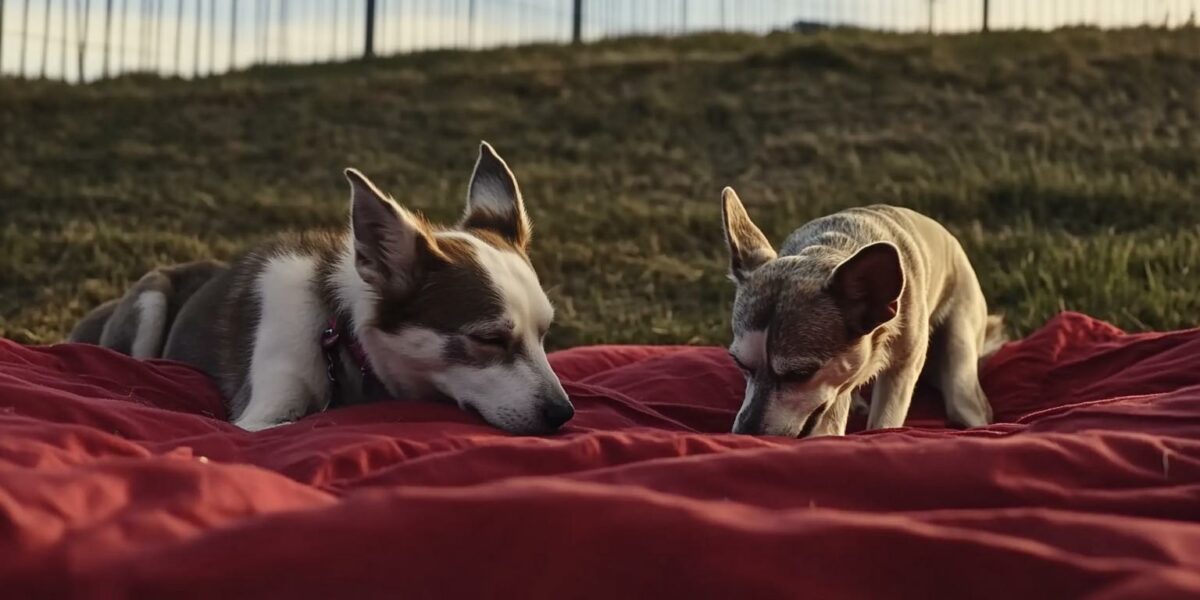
(748, 247)
(867, 287)
(494, 201)
(391, 245)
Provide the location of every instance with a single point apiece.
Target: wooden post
(986, 14)
(682, 16)
(577, 23)
(931, 17)
(1, 37)
(369, 47)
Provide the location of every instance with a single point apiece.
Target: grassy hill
(1067, 163)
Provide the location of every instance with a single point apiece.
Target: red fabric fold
(119, 478)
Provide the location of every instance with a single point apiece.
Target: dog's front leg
(287, 380)
(282, 402)
(894, 388)
(833, 420)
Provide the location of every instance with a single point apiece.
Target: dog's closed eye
(491, 339)
(797, 376)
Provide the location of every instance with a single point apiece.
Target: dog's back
(90, 328)
(932, 256)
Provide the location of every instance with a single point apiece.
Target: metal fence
(79, 40)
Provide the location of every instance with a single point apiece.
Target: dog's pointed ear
(494, 200)
(391, 245)
(867, 287)
(748, 247)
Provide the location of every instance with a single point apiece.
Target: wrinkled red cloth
(118, 478)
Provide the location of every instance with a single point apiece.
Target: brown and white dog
(424, 311)
(876, 293)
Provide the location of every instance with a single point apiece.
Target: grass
(1066, 162)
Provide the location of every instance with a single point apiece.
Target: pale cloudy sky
(199, 36)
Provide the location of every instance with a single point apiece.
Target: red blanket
(118, 478)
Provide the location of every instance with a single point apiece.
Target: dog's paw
(252, 425)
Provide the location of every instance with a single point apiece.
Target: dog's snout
(743, 427)
(749, 420)
(556, 413)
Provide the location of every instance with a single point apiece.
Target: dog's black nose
(556, 414)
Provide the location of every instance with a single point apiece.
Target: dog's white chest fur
(286, 363)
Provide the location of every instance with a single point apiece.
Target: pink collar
(331, 338)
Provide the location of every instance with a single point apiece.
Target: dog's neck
(352, 300)
(349, 301)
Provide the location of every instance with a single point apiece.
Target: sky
(202, 37)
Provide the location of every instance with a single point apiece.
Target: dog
(877, 293)
(136, 324)
(391, 305)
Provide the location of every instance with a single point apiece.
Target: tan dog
(876, 293)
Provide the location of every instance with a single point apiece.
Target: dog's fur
(455, 313)
(877, 293)
(136, 324)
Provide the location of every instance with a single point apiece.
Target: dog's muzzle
(555, 408)
(753, 422)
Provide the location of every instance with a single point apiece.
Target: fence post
(577, 23)
(233, 15)
(196, 39)
(264, 42)
(62, 66)
(283, 31)
(212, 35)
(156, 36)
(46, 40)
(369, 50)
(178, 36)
(24, 36)
(143, 40)
(122, 42)
(107, 35)
(81, 32)
(1, 37)
(471, 24)
(986, 14)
